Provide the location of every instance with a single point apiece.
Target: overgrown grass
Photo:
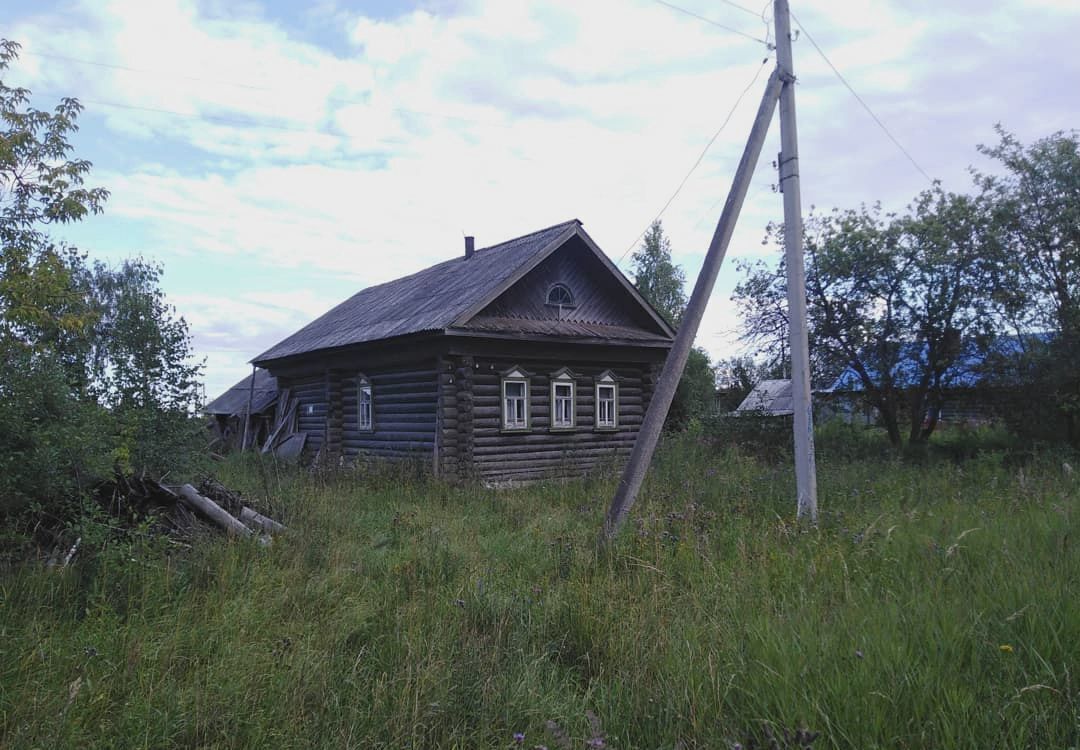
(936, 605)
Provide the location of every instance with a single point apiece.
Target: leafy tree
(657, 277)
(1037, 202)
(660, 280)
(894, 299)
(94, 367)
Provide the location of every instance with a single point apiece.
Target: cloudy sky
(277, 156)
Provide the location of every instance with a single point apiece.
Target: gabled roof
(235, 400)
(772, 398)
(445, 296)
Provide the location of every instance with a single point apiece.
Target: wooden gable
(597, 296)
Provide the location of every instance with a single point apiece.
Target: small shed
(229, 411)
(770, 398)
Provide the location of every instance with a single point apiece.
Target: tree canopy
(904, 303)
(661, 281)
(95, 366)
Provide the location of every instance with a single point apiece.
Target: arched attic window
(559, 295)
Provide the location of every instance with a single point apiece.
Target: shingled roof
(441, 297)
(261, 395)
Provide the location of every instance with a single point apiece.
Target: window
(560, 296)
(562, 400)
(515, 398)
(364, 405)
(607, 402)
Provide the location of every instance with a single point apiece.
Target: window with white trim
(607, 402)
(365, 405)
(515, 400)
(563, 400)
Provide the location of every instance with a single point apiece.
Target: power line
(866, 106)
(229, 121)
(717, 24)
(700, 158)
(253, 87)
(743, 8)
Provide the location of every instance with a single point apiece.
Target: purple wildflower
(519, 737)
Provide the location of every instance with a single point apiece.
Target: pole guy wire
(710, 21)
(697, 163)
(861, 101)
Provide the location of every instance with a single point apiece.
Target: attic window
(560, 296)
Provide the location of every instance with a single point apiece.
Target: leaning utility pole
(779, 88)
(649, 434)
(788, 164)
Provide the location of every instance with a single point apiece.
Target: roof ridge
(531, 234)
(457, 258)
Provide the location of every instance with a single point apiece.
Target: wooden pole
(805, 471)
(648, 436)
(247, 420)
(191, 498)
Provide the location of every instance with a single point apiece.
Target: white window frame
(606, 380)
(563, 378)
(511, 423)
(363, 386)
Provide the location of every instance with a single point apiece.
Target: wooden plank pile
(182, 512)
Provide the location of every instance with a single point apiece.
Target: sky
(275, 157)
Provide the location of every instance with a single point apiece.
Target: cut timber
(207, 507)
(254, 518)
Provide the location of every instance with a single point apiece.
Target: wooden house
(529, 358)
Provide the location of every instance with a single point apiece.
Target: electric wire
(700, 158)
(249, 87)
(217, 119)
(743, 8)
(861, 101)
(717, 24)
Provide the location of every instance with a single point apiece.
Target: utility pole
(638, 464)
(805, 471)
(780, 88)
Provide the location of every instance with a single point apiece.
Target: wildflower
(519, 737)
(459, 603)
(858, 654)
(1005, 648)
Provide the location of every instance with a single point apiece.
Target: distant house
(984, 381)
(531, 357)
(255, 395)
(769, 398)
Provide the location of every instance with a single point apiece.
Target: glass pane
(515, 389)
(563, 390)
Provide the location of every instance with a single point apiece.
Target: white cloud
(370, 160)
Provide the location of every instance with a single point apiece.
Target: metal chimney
(470, 247)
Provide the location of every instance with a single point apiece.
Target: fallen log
(252, 517)
(191, 498)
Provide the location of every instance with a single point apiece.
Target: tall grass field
(936, 605)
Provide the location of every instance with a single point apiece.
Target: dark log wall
(404, 418)
(310, 394)
(540, 452)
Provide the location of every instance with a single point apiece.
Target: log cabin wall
(541, 452)
(310, 394)
(404, 401)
